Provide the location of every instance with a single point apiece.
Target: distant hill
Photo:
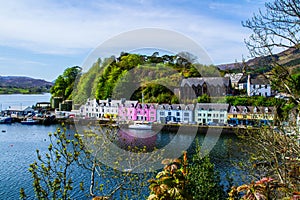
(22, 84)
(289, 58)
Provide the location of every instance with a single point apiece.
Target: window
(162, 113)
(208, 115)
(169, 113)
(186, 114)
(221, 115)
(266, 86)
(177, 113)
(199, 114)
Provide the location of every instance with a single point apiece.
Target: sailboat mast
(143, 105)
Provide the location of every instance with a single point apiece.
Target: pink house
(127, 111)
(133, 111)
(146, 112)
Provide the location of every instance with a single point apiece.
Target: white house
(90, 109)
(175, 113)
(235, 79)
(100, 109)
(211, 113)
(109, 108)
(258, 86)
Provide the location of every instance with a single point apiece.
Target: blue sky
(40, 38)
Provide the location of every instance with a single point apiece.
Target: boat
(5, 120)
(140, 125)
(29, 121)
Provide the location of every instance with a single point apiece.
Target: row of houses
(253, 85)
(200, 113)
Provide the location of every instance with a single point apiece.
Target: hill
(23, 85)
(130, 75)
(289, 58)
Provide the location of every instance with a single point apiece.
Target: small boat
(5, 120)
(30, 121)
(141, 125)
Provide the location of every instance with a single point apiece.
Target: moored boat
(29, 121)
(141, 125)
(5, 120)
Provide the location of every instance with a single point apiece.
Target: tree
(69, 152)
(204, 99)
(203, 180)
(273, 154)
(64, 84)
(52, 173)
(276, 29)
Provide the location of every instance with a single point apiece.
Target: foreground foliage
(182, 180)
(273, 164)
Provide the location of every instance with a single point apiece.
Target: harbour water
(18, 144)
(21, 101)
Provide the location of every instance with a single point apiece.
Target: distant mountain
(289, 58)
(22, 84)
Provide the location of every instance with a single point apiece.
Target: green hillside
(130, 75)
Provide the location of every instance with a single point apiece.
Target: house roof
(255, 80)
(19, 108)
(234, 77)
(210, 81)
(175, 107)
(251, 109)
(213, 106)
(259, 80)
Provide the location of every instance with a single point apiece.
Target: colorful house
(211, 113)
(127, 110)
(146, 112)
(251, 115)
(175, 113)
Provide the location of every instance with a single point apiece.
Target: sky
(41, 38)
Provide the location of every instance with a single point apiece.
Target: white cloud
(72, 27)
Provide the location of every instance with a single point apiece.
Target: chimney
(248, 86)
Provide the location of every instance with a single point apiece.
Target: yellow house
(250, 115)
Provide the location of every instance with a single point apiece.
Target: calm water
(18, 144)
(18, 100)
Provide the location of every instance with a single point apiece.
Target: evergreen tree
(203, 180)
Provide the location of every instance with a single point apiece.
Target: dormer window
(245, 110)
(234, 109)
(266, 110)
(255, 110)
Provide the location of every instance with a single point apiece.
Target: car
(212, 124)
